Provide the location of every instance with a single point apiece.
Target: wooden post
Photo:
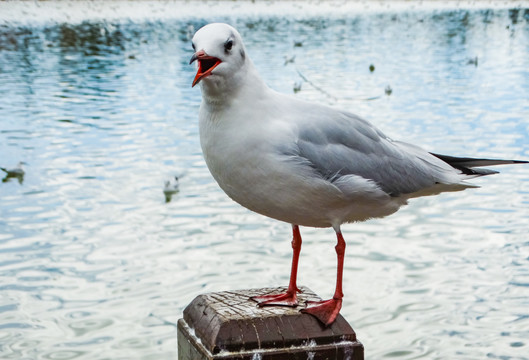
(228, 325)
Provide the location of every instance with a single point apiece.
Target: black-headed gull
(303, 163)
(170, 188)
(17, 172)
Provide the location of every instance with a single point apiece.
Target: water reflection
(95, 264)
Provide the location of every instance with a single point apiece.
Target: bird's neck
(246, 86)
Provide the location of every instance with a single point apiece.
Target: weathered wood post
(228, 325)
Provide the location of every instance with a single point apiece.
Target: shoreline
(67, 11)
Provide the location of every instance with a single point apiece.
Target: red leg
(289, 298)
(327, 310)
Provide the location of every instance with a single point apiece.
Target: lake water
(96, 98)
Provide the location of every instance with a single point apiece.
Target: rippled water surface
(95, 264)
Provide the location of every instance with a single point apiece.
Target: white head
(221, 56)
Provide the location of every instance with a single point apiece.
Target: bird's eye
(193, 45)
(228, 45)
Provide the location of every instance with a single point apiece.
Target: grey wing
(349, 145)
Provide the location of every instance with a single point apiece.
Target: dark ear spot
(243, 55)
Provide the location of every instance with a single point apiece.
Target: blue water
(95, 264)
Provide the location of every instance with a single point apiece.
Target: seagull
(171, 187)
(473, 61)
(303, 163)
(17, 172)
(289, 59)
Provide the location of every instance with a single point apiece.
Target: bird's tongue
(206, 64)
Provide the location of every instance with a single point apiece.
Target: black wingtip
(467, 165)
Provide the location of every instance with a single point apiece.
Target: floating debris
(388, 90)
(316, 86)
(371, 67)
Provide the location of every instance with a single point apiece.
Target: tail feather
(467, 165)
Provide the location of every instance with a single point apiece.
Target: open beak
(206, 64)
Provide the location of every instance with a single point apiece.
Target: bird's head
(220, 54)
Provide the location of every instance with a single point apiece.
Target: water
(96, 99)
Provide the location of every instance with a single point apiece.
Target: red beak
(206, 64)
